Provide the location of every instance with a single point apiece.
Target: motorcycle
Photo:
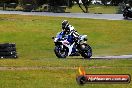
(70, 46)
(127, 13)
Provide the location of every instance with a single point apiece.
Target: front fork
(62, 47)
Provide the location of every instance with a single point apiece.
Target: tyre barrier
(8, 50)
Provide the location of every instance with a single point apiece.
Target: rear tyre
(60, 52)
(125, 16)
(86, 52)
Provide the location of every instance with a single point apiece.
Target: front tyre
(60, 52)
(86, 51)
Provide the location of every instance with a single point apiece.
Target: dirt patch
(54, 68)
(35, 68)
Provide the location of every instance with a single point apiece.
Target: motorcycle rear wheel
(125, 16)
(86, 52)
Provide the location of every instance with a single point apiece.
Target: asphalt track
(77, 15)
(113, 57)
(69, 15)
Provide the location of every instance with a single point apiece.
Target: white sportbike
(69, 46)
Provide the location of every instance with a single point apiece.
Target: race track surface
(69, 15)
(113, 57)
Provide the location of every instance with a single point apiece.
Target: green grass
(95, 9)
(32, 35)
(54, 79)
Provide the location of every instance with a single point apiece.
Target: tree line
(33, 4)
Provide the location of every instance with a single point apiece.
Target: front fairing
(59, 38)
(59, 35)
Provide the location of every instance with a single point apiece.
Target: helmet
(127, 5)
(65, 23)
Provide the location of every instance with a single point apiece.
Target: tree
(116, 2)
(130, 2)
(41, 2)
(105, 1)
(85, 4)
(59, 5)
(8, 1)
(113, 2)
(68, 3)
(28, 5)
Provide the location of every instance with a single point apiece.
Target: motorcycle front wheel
(60, 52)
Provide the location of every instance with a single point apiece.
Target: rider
(127, 7)
(68, 29)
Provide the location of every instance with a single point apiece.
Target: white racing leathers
(73, 31)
